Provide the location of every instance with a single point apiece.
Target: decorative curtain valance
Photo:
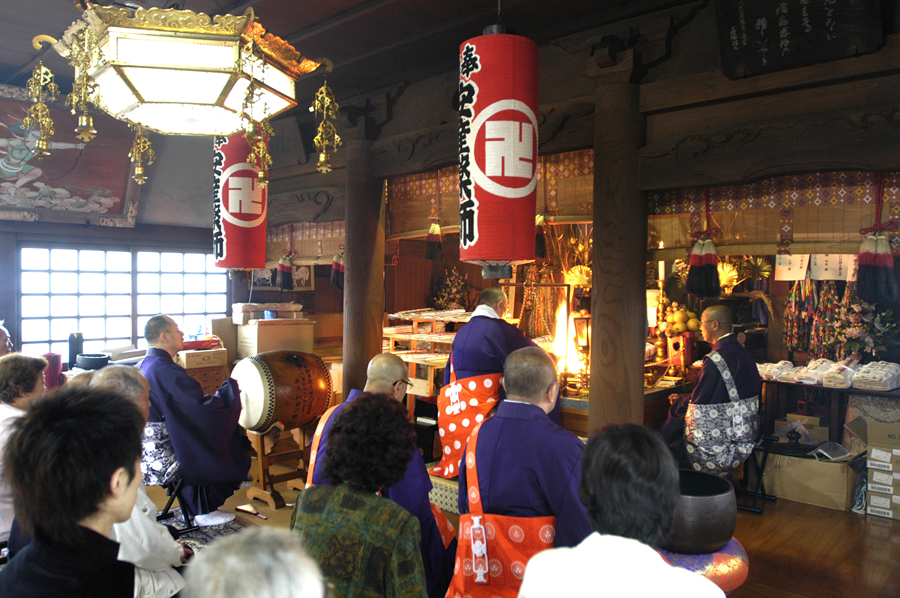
(809, 213)
(313, 242)
(564, 190)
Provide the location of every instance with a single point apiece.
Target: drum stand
(263, 486)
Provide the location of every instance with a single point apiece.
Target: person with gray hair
(257, 562)
(520, 466)
(148, 545)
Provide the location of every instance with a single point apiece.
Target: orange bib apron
(462, 405)
(493, 550)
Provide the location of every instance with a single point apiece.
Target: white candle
(662, 270)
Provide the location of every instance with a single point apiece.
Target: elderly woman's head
(21, 379)
(370, 443)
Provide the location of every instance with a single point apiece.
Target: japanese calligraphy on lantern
(764, 36)
(239, 206)
(498, 141)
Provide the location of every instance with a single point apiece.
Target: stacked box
(210, 378)
(883, 462)
(202, 358)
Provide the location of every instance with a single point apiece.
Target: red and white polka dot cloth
(462, 405)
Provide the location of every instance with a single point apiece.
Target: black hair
(156, 326)
(61, 456)
(370, 443)
(629, 483)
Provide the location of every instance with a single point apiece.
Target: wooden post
(618, 317)
(363, 266)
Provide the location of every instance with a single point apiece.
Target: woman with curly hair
(21, 382)
(367, 546)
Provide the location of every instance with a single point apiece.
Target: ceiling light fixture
(178, 72)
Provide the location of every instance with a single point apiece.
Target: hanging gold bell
(324, 164)
(139, 176)
(85, 128)
(42, 146)
(251, 134)
(262, 179)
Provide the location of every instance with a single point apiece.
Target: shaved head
(384, 372)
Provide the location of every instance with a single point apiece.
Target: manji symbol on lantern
(498, 141)
(239, 206)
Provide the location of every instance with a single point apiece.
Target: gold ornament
(325, 104)
(140, 151)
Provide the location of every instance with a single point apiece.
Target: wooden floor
(795, 550)
(803, 551)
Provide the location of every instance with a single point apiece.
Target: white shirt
(150, 548)
(7, 414)
(604, 565)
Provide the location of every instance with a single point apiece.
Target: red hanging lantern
(498, 143)
(239, 206)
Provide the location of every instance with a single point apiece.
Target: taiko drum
(286, 387)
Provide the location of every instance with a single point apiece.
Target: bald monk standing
(387, 374)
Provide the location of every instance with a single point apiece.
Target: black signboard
(764, 36)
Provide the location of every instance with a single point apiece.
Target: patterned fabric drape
(565, 183)
(827, 207)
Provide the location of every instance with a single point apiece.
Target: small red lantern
(498, 143)
(239, 206)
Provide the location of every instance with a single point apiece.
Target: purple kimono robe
(529, 467)
(481, 347)
(208, 441)
(411, 493)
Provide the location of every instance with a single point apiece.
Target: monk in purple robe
(204, 430)
(527, 465)
(387, 374)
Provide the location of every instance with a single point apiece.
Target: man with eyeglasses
(387, 374)
(713, 429)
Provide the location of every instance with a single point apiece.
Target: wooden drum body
(286, 387)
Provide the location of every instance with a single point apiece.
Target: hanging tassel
(694, 274)
(337, 275)
(434, 244)
(884, 268)
(866, 274)
(711, 269)
(540, 241)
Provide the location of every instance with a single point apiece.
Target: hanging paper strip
(239, 206)
(498, 141)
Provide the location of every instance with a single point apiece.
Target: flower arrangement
(860, 328)
(451, 293)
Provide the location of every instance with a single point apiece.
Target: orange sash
(493, 550)
(314, 446)
(461, 406)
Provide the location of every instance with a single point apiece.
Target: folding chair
(758, 463)
(185, 511)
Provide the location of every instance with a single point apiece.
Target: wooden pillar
(618, 316)
(9, 306)
(363, 265)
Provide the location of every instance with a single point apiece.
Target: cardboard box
(811, 420)
(820, 433)
(202, 358)
(274, 335)
(828, 484)
(883, 505)
(225, 329)
(886, 482)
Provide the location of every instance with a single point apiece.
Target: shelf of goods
(427, 347)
